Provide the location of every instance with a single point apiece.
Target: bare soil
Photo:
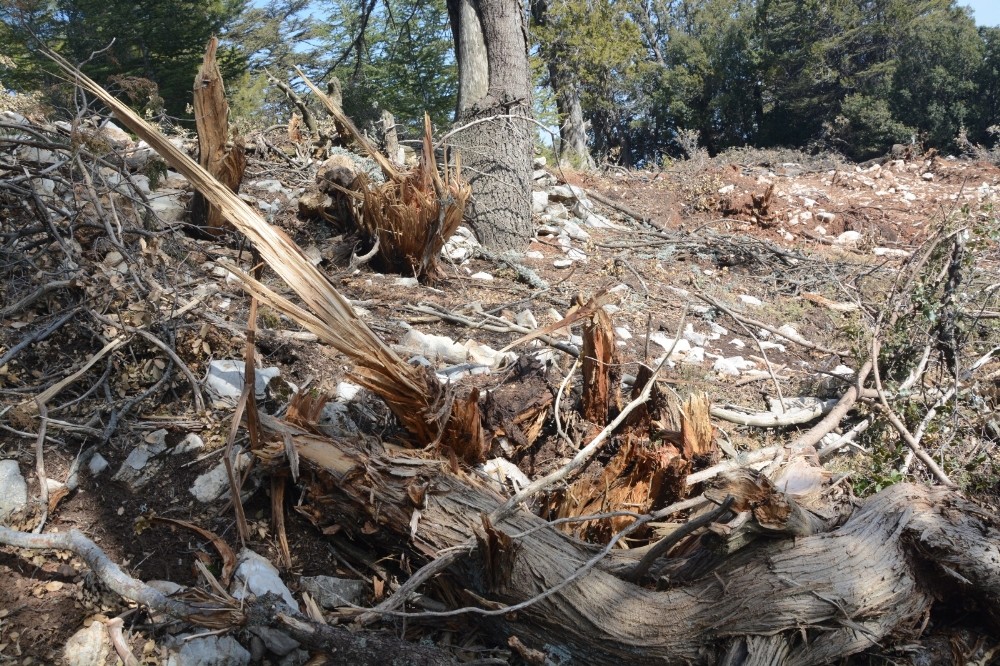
(688, 245)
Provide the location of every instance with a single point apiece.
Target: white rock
(807, 202)
(927, 175)
(890, 252)
(225, 378)
(539, 200)
(752, 301)
(539, 162)
(821, 230)
(45, 187)
(574, 231)
(736, 342)
(330, 592)
(534, 254)
(114, 134)
(271, 185)
(788, 331)
(97, 464)
(825, 217)
(406, 282)
(433, 347)
(88, 646)
(727, 189)
(562, 263)
(695, 356)
(680, 349)
(558, 211)
(191, 442)
(208, 651)
(167, 205)
(255, 575)
(848, 239)
(599, 222)
(13, 118)
(13, 489)
(623, 333)
(481, 276)
(504, 472)
(347, 391)
(561, 193)
(805, 216)
(526, 318)
(39, 156)
(909, 196)
(210, 486)
(732, 366)
(574, 254)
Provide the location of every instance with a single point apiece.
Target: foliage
(160, 42)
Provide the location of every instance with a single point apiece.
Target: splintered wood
(649, 468)
(211, 115)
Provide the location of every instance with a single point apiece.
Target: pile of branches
(776, 562)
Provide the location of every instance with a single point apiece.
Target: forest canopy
(855, 76)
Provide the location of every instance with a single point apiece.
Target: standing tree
(494, 108)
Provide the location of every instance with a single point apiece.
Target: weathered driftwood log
(810, 600)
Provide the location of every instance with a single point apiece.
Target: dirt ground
(699, 237)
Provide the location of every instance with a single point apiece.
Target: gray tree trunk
(573, 149)
(494, 80)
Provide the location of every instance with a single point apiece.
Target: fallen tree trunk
(809, 600)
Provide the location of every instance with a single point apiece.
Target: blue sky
(987, 12)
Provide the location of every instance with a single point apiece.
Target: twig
(663, 546)
(43, 483)
(36, 336)
(772, 420)
(114, 627)
(34, 296)
(562, 387)
(901, 428)
(753, 322)
(106, 571)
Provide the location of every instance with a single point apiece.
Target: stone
(825, 217)
(255, 575)
(210, 486)
(848, 239)
(13, 489)
(88, 646)
(191, 442)
(539, 200)
(928, 176)
(732, 366)
(97, 464)
(752, 301)
(574, 231)
(278, 642)
(167, 205)
(208, 651)
(336, 417)
(562, 263)
(225, 378)
(346, 391)
(331, 592)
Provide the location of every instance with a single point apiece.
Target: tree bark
(573, 149)
(804, 600)
(494, 103)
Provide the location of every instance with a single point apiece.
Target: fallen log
(808, 600)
